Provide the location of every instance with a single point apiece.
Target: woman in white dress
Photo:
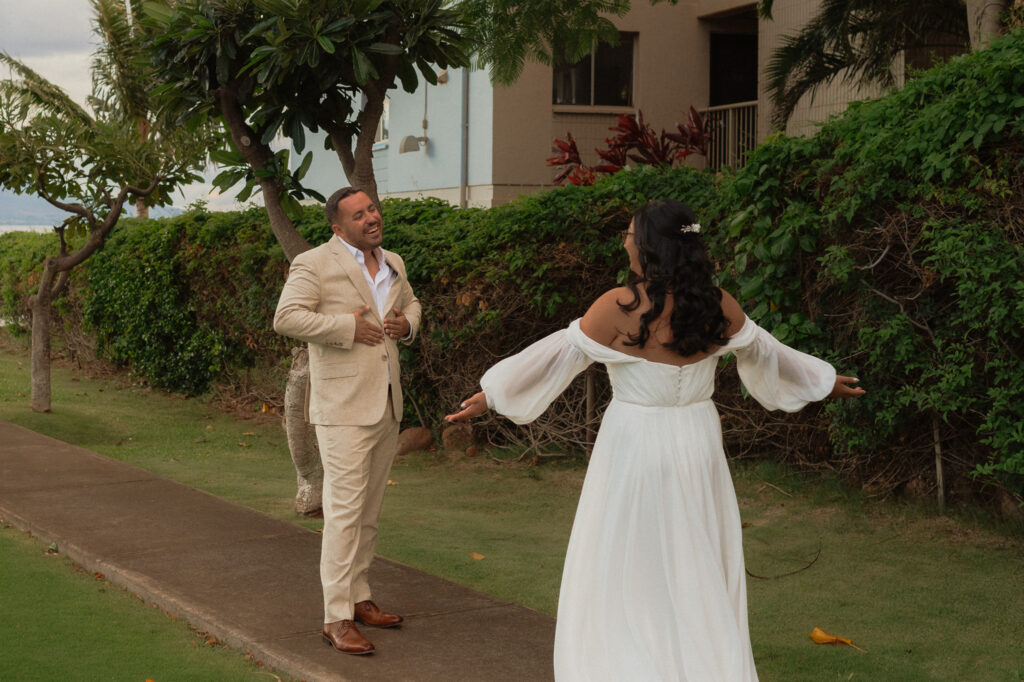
(654, 584)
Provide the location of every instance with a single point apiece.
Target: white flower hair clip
(690, 228)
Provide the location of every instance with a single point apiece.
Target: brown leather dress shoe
(367, 613)
(343, 636)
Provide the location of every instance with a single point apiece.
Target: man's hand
(471, 407)
(367, 332)
(841, 390)
(397, 327)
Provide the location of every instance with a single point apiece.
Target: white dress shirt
(380, 286)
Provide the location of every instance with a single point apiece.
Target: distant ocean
(25, 228)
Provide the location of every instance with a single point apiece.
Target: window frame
(603, 108)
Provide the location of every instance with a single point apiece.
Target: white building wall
(437, 169)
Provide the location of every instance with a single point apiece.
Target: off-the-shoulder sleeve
(777, 376)
(522, 386)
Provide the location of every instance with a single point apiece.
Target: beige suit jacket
(348, 380)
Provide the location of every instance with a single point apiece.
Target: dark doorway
(733, 68)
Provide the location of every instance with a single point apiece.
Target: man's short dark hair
(331, 207)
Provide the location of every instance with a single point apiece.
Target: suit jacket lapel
(355, 273)
(396, 285)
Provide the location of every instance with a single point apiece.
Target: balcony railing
(732, 131)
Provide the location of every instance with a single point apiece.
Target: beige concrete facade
(669, 74)
(788, 17)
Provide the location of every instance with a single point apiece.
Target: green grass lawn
(59, 623)
(927, 597)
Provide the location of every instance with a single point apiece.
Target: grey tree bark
(983, 20)
(302, 437)
(39, 304)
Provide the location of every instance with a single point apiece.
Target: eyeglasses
(625, 233)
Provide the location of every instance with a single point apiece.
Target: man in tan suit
(351, 302)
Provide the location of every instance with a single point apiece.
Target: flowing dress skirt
(654, 586)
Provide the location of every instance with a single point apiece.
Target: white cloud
(31, 28)
(54, 38)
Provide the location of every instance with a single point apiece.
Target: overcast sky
(55, 39)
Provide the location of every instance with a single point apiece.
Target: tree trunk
(39, 304)
(983, 21)
(56, 272)
(259, 157)
(141, 210)
(302, 436)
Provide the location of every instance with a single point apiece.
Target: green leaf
(291, 207)
(307, 160)
(386, 48)
(158, 11)
(326, 44)
(752, 287)
(362, 66)
(225, 157)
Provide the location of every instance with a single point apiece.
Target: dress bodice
(657, 384)
(644, 382)
(780, 378)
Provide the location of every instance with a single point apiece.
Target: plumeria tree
(86, 165)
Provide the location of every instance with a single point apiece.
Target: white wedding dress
(654, 584)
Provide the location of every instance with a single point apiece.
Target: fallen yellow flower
(822, 637)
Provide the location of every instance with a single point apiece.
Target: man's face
(359, 222)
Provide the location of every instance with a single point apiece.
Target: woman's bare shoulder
(733, 313)
(605, 316)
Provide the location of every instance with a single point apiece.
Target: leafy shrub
(183, 300)
(890, 243)
(21, 265)
(892, 240)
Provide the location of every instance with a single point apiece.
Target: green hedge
(892, 241)
(184, 300)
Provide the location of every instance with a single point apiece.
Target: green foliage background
(890, 243)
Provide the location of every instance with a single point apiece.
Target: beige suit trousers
(357, 461)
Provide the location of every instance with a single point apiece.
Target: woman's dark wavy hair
(675, 262)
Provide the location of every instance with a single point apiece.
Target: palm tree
(121, 77)
(858, 41)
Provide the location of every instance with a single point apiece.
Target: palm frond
(119, 71)
(36, 93)
(860, 41)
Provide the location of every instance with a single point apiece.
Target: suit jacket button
(384, 357)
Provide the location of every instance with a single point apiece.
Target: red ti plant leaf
(614, 157)
(692, 137)
(572, 168)
(568, 152)
(581, 175)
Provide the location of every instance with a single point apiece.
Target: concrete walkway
(251, 579)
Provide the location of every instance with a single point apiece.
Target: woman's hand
(843, 390)
(471, 407)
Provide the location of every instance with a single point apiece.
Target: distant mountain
(25, 209)
(21, 209)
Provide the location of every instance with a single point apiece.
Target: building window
(385, 120)
(603, 78)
